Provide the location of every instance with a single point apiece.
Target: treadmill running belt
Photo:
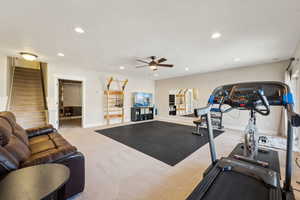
(236, 186)
(270, 157)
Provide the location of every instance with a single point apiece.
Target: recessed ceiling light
(122, 67)
(187, 69)
(79, 30)
(156, 75)
(237, 59)
(216, 35)
(61, 54)
(28, 56)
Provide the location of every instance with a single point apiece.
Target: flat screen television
(142, 99)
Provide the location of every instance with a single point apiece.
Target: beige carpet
(117, 172)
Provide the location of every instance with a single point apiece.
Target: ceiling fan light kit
(153, 67)
(154, 64)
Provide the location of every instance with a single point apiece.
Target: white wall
(296, 69)
(3, 82)
(93, 88)
(208, 81)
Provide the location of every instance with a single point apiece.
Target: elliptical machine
(248, 172)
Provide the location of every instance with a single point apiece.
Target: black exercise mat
(167, 142)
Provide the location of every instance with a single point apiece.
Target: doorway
(70, 103)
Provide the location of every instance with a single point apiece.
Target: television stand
(142, 113)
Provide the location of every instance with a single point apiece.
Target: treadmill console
(243, 98)
(248, 96)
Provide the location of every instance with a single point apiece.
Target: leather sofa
(21, 148)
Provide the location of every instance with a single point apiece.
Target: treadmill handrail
(293, 117)
(202, 111)
(205, 111)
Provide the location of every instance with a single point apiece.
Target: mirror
(182, 102)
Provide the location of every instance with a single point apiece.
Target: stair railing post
(44, 94)
(11, 83)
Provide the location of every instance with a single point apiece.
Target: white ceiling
(256, 31)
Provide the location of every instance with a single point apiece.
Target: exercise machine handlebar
(265, 103)
(205, 111)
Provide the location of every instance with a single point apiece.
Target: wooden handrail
(11, 83)
(44, 92)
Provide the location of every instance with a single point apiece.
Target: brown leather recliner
(23, 148)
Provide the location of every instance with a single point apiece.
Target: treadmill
(237, 177)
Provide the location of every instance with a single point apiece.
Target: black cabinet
(172, 110)
(142, 113)
(172, 106)
(171, 99)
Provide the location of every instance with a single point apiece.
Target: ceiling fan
(154, 63)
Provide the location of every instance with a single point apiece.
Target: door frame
(56, 96)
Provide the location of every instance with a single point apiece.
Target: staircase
(27, 98)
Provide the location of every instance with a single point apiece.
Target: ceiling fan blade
(141, 66)
(165, 65)
(139, 60)
(161, 60)
(152, 57)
